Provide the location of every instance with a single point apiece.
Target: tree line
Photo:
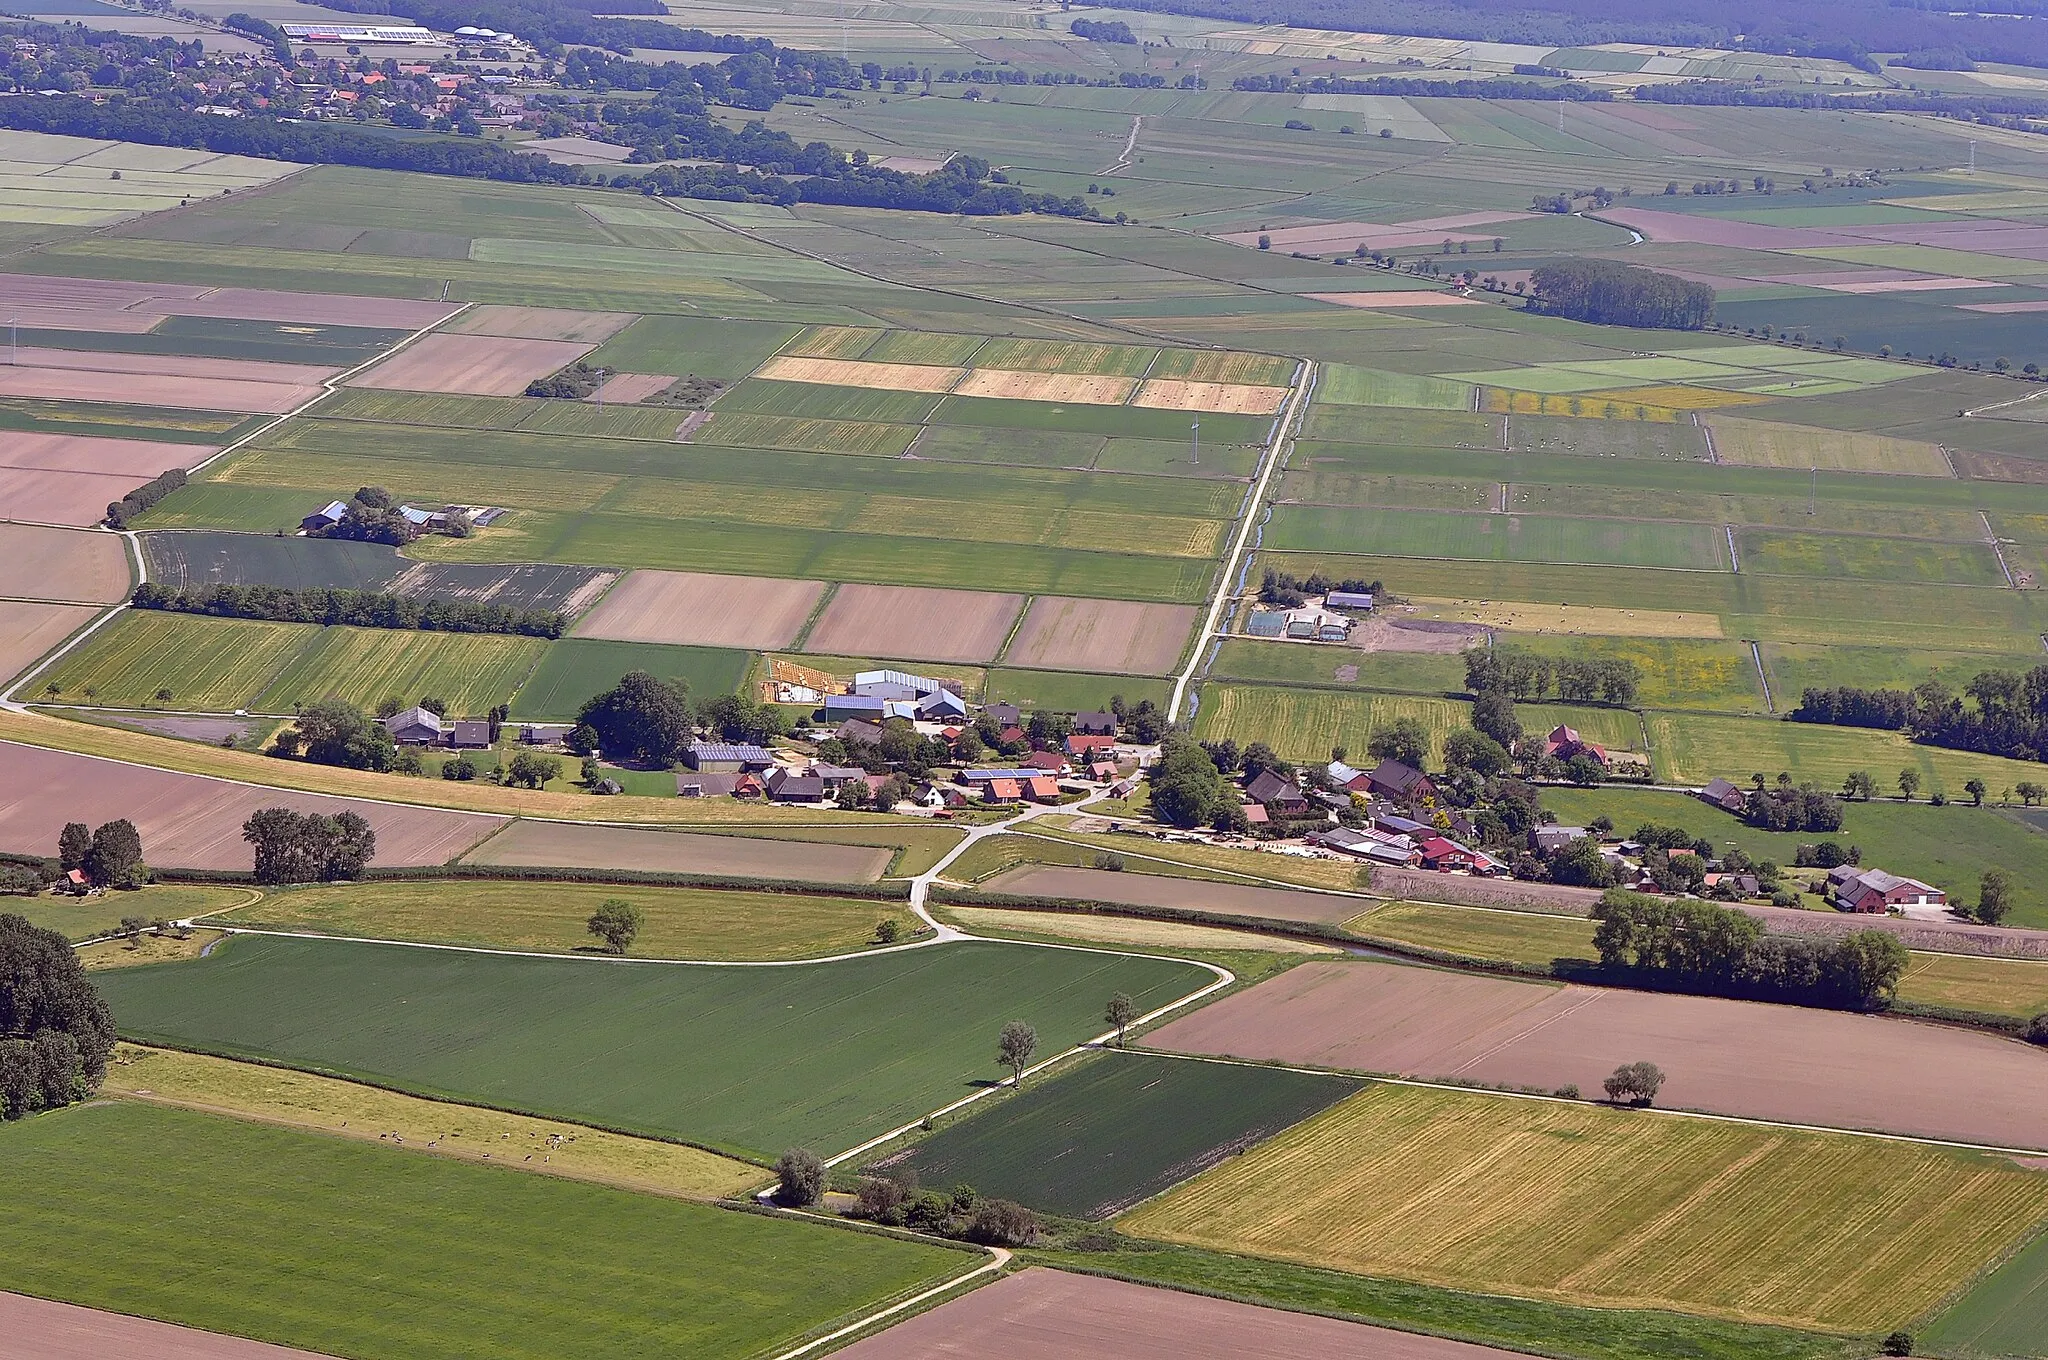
(355, 608)
(143, 497)
(1717, 951)
(1998, 712)
(1610, 294)
(1486, 87)
(1528, 675)
(965, 185)
(308, 847)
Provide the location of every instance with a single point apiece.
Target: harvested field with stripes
(141, 459)
(1586, 1205)
(1113, 636)
(703, 610)
(479, 365)
(1179, 394)
(1065, 356)
(831, 342)
(540, 323)
(1022, 385)
(1759, 444)
(854, 373)
(914, 623)
(77, 499)
(1224, 366)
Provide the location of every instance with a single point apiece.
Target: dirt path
(1123, 158)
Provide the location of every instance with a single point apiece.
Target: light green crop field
(1859, 557)
(822, 1054)
(414, 1255)
(690, 346)
(1692, 748)
(1349, 385)
(472, 672)
(207, 664)
(1501, 538)
(2006, 1314)
(1676, 672)
(1303, 724)
(1587, 1205)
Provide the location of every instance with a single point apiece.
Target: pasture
(1114, 1131)
(1303, 724)
(753, 1058)
(415, 1254)
(680, 923)
(1691, 748)
(1586, 1205)
(1494, 537)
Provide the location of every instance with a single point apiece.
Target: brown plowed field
(79, 498)
(141, 459)
(1051, 1315)
(189, 821)
(155, 389)
(62, 294)
(631, 387)
(564, 845)
(1783, 1063)
(37, 1329)
(854, 373)
(27, 630)
(1178, 394)
(1113, 636)
(474, 365)
(1187, 894)
(914, 623)
(85, 319)
(540, 323)
(175, 366)
(1085, 389)
(308, 309)
(704, 610)
(62, 564)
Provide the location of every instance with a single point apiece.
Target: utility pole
(1812, 484)
(13, 341)
(1973, 157)
(1195, 458)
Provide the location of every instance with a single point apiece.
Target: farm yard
(790, 443)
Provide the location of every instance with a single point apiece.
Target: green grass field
(1349, 385)
(574, 669)
(1857, 557)
(1493, 537)
(408, 1254)
(1117, 1130)
(1289, 663)
(473, 672)
(753, 1058)
(1586, 1205)
(1794, 668)
(680, 923)
(1067, 692)
(686, 345)
(1691, 748)
(1303, 724)
(1676, 672)
(2005, 1315)
(207, 664)
(82, 918)
(818, 401)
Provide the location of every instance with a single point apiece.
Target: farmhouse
(787, 786)
(1095, 724)
(1004, 715)
(1565, 743)
(416, 727)
(1281, 794)
(694, 785)
(856, 731)
(1080, 744)
(1405, 783)
(1360, 600)
(1548, 840)
(326, 517)
(470, 736)
(720, 758)
(1447, 856)
(1346, 777)
(1047, 762)
(836, 777)
(1723, 794)
(1002, 791)
(1042, 789)
(1874, 890)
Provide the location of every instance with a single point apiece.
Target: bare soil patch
(175, 366)
(62, 564)
(475, 365)
(1786, 1063)
(311, 309)
(702, 609)
(1928, 285)
(540, 323)
(1416, 635)
(84, 319)
(855, 373)
(1114, 636)
(1085, 389)
(110, 295)
(1186, 894)
(29, 629)
(565, 845)
(1179, 394)
(155, 389)
(1052, 1315)
(915, 623)
(78, 498)
(190, 821)
(624, 388)
(37, 1329)
(141, 459)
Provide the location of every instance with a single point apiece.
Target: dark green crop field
(576, 668)
(2006, 1314)
(751, 1058)
(187, 560)
(348, 1248)
(1093, 1142)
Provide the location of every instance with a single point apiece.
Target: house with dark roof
(710, 757)
(734, 784)
(1405, 783)
(834, 776)
(787, 786)
(470, 735)
(1046, 762)
(941, 706)
(1004, 715)
(1548, 840)
(1095, 723)
(1723, 794)
(1875, 891)
(1276, 791)
(416, 727)
(859, 731)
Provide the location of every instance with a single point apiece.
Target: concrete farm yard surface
(703, 610)
(1780, 1063)
(195, 822)
(1052, 1315)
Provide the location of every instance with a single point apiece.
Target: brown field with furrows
(1113, 636)
(540, 323)
(175, 366)
(1043, 1314)
(113, 295)
(475, 365)
(914, 623)
(37, 1329)
(701, 609)
(1084, 389)
(855, 373)
(311, 309)
(564, 845)
(77, 498)
(1426, 885)
(1185, 894)
(155, 389)
(69, 319)
(28, 629)
(83, 302)
(62, 564)
(1786, 1063)
(1178, 394)
(190, 821)
(626, 388)
(141, 459)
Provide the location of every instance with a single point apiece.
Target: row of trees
(1699, 947)
(1610, 294)
(143, 497)
(355, 608)
(1288, 591)
(55, 1030)
(308, 847)
(1485, 87)
(1998, 712)
(1526, 675)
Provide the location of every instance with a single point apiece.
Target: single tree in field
(1404, 739)
(1119, 1013)
(616, 921)
(1976, 788)
(163, 696)
(1635, 1083)
(1899, 1343)
(74, 843)
(52, 690)
(1994, 896)
(1859, 786)
(888, 930)
(1909, 783)
(2029, 792)
(1014, 1047)
(801, 1178)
